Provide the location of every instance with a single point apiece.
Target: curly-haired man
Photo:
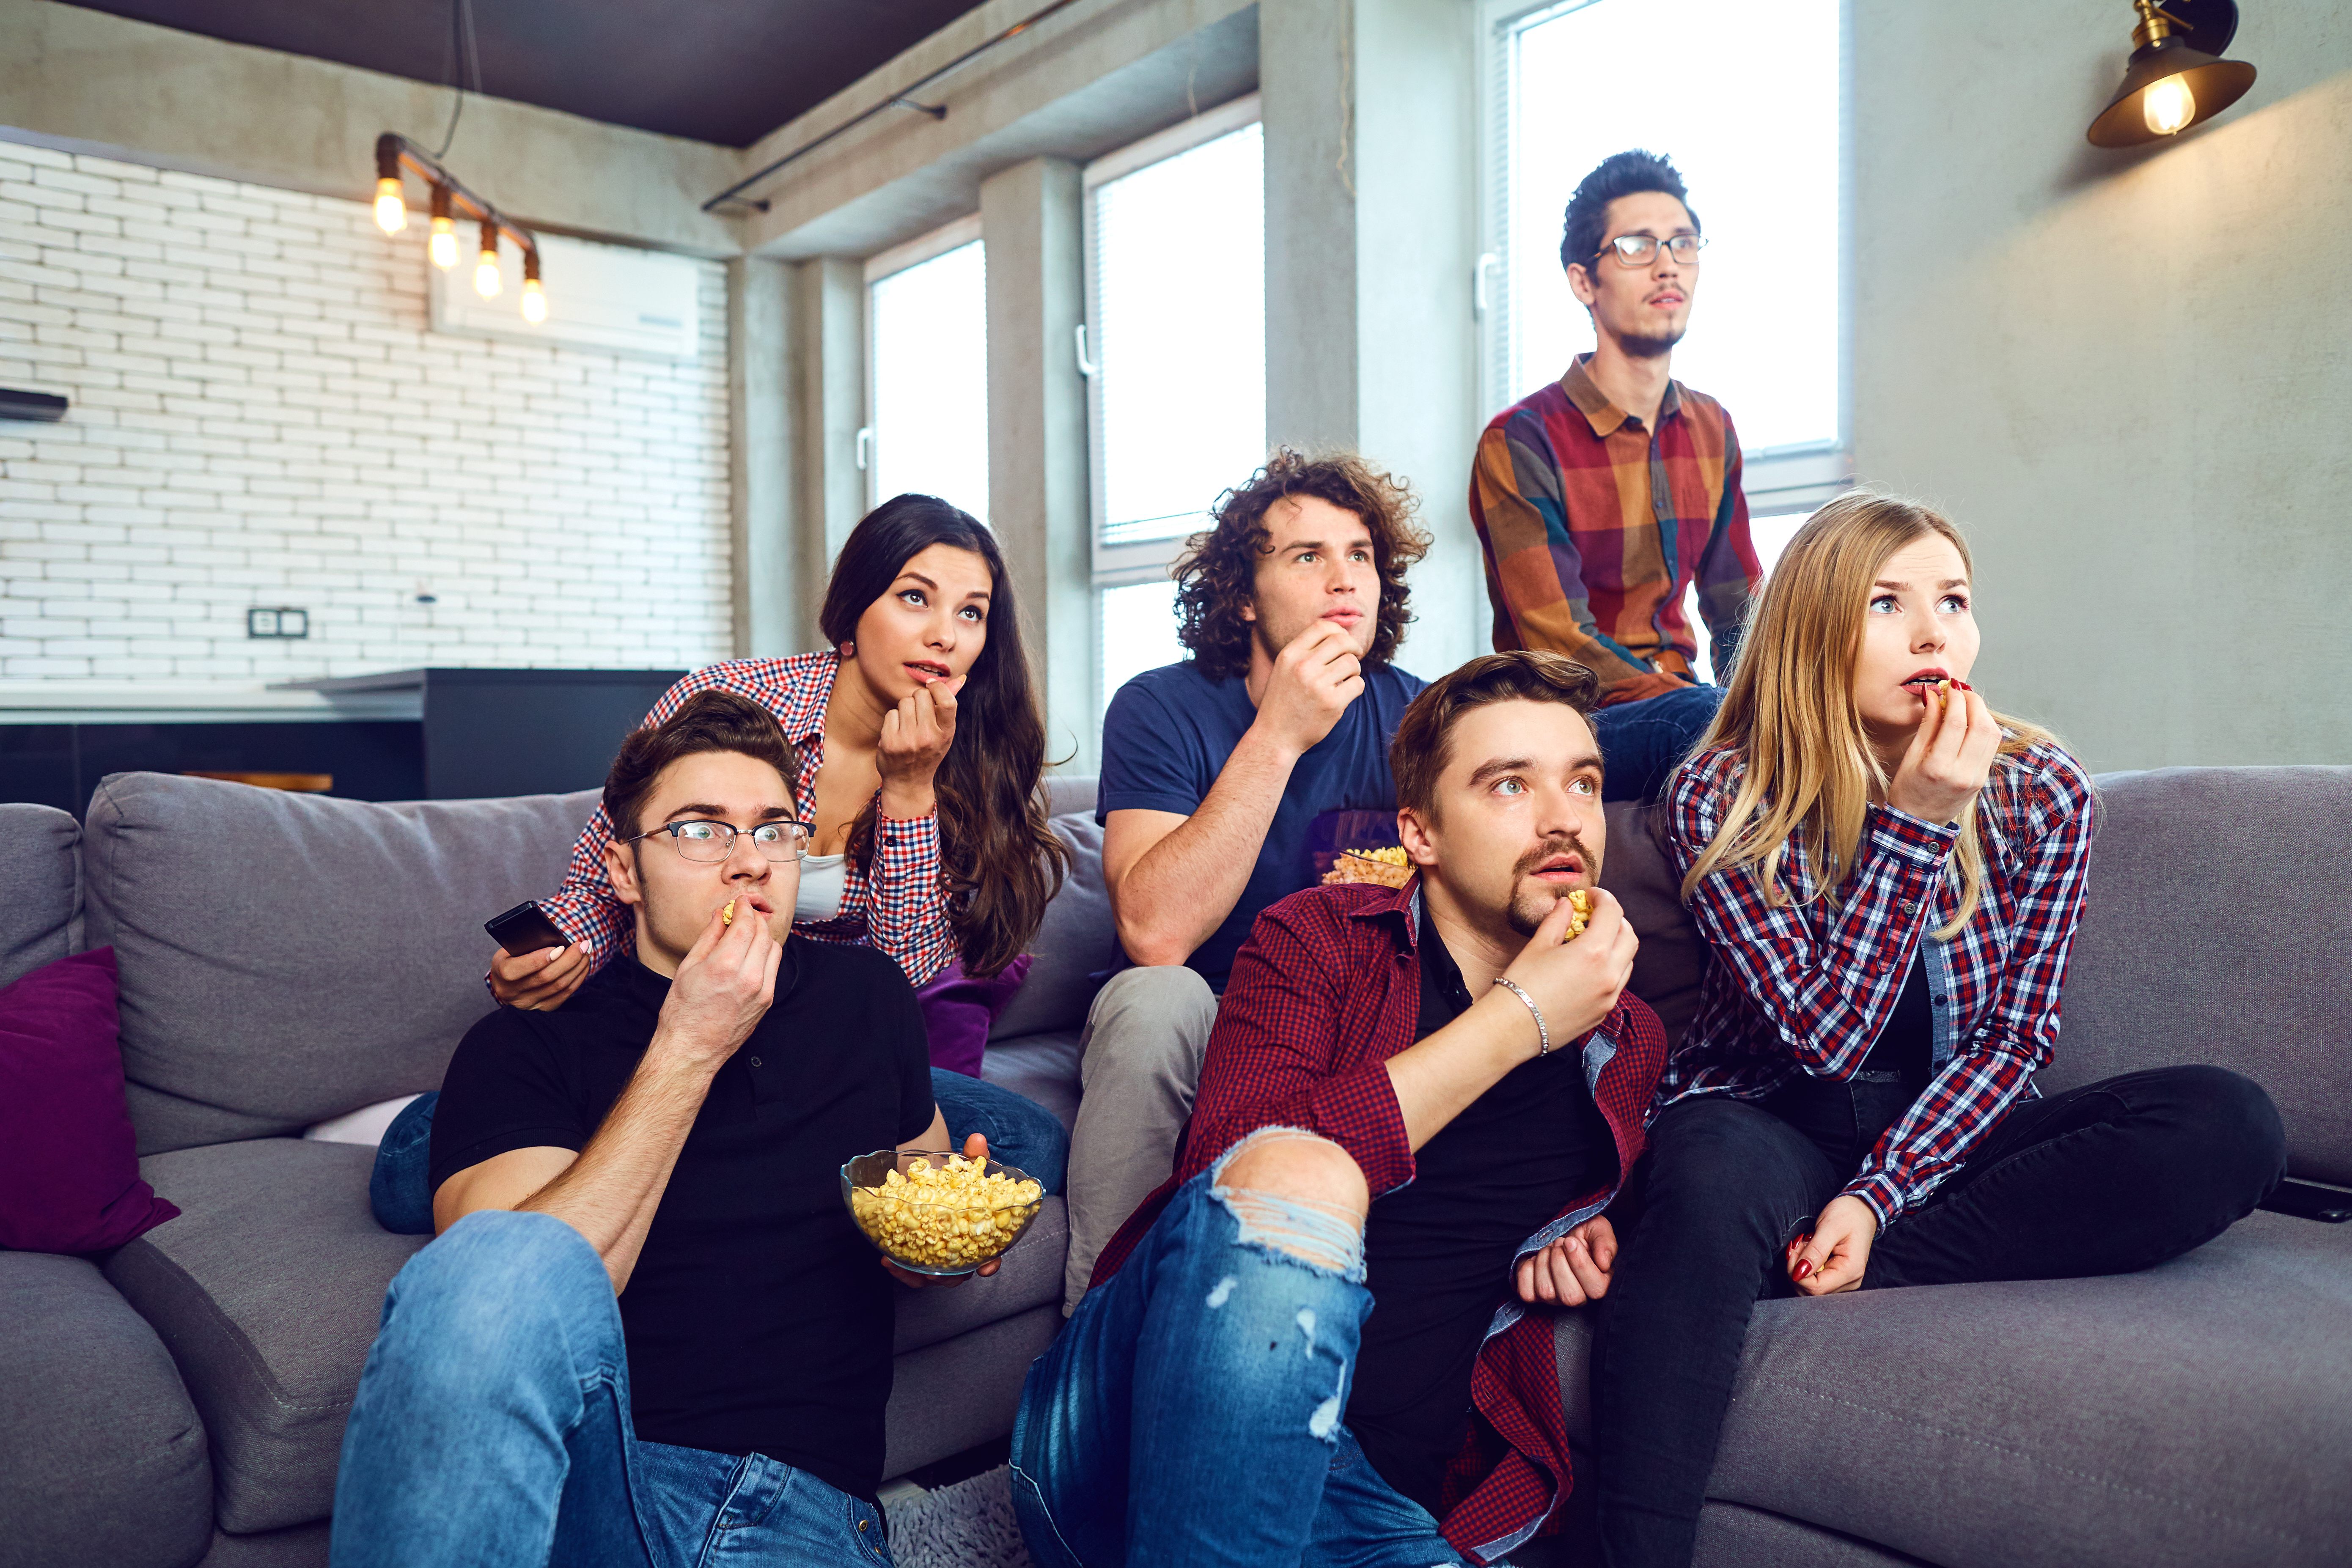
(1231, 781)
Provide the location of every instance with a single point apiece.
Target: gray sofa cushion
(1078, 939)
(40, 888)
(1636, 869)
(286, 958)
(1031, 1276)
(104, 1459)
(2216, 930)
(1043, 1068)
(267, 1289)
(2197, 1414)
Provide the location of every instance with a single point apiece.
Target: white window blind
(1749, 107)
(1176, 327)
(927, 370)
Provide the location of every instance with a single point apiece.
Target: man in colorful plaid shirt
(1601, 499)
(1312, 1344)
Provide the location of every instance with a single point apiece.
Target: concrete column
(1370, 110)
(1030, 218)
(767, 585)
(828, 329)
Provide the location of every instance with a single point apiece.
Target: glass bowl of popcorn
(939, 1213)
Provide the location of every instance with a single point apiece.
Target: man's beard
(1648, 347)
(1526, 912)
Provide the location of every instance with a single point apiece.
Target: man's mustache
(1558, 844)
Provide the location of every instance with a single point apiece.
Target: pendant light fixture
(2176, 77)
(396, 157)
(442, 246)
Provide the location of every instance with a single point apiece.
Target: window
(927, 370)
(1174, 350)
(1750, 105)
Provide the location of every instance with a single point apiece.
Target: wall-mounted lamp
(2170, 85)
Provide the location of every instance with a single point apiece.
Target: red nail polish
(1804, 1267)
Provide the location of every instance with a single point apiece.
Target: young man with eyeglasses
(1601, 499)
(648, 1317)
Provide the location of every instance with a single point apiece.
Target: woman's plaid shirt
(900, 905)
(1807, 987)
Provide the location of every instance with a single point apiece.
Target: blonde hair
(1790, 711)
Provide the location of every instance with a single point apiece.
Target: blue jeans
(1021, 1133)
(1190, 1411)
(492, 1426)
(1643, 741)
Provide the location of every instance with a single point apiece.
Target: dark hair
(1002, 862)
(1425, 735)
(710, 722)
(1216, 577)
(1586, 229)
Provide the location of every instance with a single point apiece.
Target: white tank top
(822, 878)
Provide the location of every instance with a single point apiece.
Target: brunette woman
(921, 747)
(1888, 875)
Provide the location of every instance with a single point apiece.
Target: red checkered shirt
(1324, 990)
(901, 904)
(1807, 986)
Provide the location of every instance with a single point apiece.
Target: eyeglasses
(715, 841)
(1638, 249)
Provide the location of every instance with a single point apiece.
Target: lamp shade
(2169, 85)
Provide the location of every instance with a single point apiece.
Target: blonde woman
(1888, 874)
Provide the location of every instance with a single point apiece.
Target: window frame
(882, 264)
(1145, 560)
(1777, 481)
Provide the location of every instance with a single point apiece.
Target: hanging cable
(463, 46)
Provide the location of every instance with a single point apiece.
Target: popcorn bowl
(936, 1213)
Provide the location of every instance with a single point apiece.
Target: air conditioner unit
(602, 297)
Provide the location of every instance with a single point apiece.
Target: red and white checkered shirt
(899, 905)
(1807, 987)
(1326, 989)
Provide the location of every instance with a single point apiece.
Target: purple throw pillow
(69, 1165)
(958, 1010)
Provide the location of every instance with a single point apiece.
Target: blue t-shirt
(1167, 737)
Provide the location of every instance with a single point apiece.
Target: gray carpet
(967, 1525)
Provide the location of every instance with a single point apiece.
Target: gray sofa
(285, 959)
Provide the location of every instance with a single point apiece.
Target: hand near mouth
(915, 739)
(1950, 759)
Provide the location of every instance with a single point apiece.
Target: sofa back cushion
(2217, 929)
(286, 958)
(1636, 869)
(1078, 939)
(40, 887)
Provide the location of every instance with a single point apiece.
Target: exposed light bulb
(390, 210)
(443, 246)
(2168, 105)
(486, 281)
(535, 301)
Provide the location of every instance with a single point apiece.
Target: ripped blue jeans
(1191, 1411)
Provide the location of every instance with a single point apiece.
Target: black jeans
(2112, 1177)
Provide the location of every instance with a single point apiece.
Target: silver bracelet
(1543, 1035)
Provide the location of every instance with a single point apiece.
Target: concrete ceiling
(726, 71)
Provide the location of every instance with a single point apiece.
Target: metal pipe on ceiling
(896, 99)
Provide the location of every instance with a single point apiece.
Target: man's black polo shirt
(758, 1319)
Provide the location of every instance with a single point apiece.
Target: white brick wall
(261, 417)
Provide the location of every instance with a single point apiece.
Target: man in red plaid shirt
(1426, 1086)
